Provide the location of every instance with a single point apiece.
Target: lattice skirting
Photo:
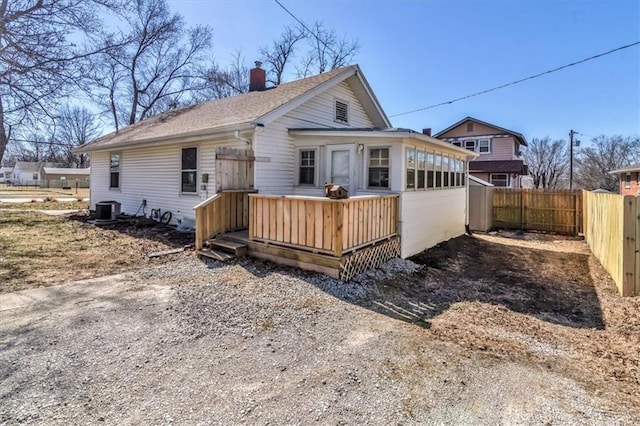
(371, 257)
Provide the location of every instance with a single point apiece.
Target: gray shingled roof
(630, 168)
(34, 166)
(519, 136)
(497, 166)
(209, 116)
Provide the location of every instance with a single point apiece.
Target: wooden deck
(340, 238)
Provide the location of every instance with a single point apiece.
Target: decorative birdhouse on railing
(335, 191)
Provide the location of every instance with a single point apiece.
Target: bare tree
(277, 56)
(39, 62)
(548, 161)
(606, 153)
(36, 146)
(154, 64)
(224, 82)
(75, 126)
(327, 51)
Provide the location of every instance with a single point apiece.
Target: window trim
(119, 171)
(316, 167)
(197, 170)
(335, 111)
(388, 167)
(627, 180)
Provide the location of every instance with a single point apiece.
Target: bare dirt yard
(505, 329)
(42, 250)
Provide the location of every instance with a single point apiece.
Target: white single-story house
(30, 172)
(5, 174)
(285, 143)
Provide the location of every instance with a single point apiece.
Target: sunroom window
(411, 168)
(421, 164)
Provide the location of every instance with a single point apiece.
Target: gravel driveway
(195, 343)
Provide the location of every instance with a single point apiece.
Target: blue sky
(419, 53)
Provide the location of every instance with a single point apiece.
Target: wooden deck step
(216, 254)
(237, 248)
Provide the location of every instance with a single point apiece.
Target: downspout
(238, 137)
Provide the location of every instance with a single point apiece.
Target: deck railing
(323, 225)
(223, 212)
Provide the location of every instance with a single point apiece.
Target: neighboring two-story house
(500, 161)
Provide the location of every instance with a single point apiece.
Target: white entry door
(341, 166)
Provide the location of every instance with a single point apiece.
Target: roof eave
(519, 136)
(383, 134)
(184, 137)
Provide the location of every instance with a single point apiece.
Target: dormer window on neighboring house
(341, 111)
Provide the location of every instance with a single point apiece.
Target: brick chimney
(257, 78)
(426, 131)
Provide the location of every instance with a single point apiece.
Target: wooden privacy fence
(323, 225)
(225, 211)
(547, 210)
(612, 230)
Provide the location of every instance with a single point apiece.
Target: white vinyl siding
(422, 222)
(154, 174)
(276, 167)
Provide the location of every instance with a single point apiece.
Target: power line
(517, 81)
(305, 27)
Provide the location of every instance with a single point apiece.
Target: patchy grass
(40, 250)
(47, 205)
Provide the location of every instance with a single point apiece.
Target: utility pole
(571, 133)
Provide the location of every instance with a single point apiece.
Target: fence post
(338, 209)
(629, 246)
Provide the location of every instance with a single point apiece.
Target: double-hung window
(627, 180)
(378, 168)
(499, 179)
(438, 170)
(189, 184)
(307, 167)
(484, 146)
(114, 170)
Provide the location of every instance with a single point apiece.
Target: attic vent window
(469, 126)
(341, 112)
